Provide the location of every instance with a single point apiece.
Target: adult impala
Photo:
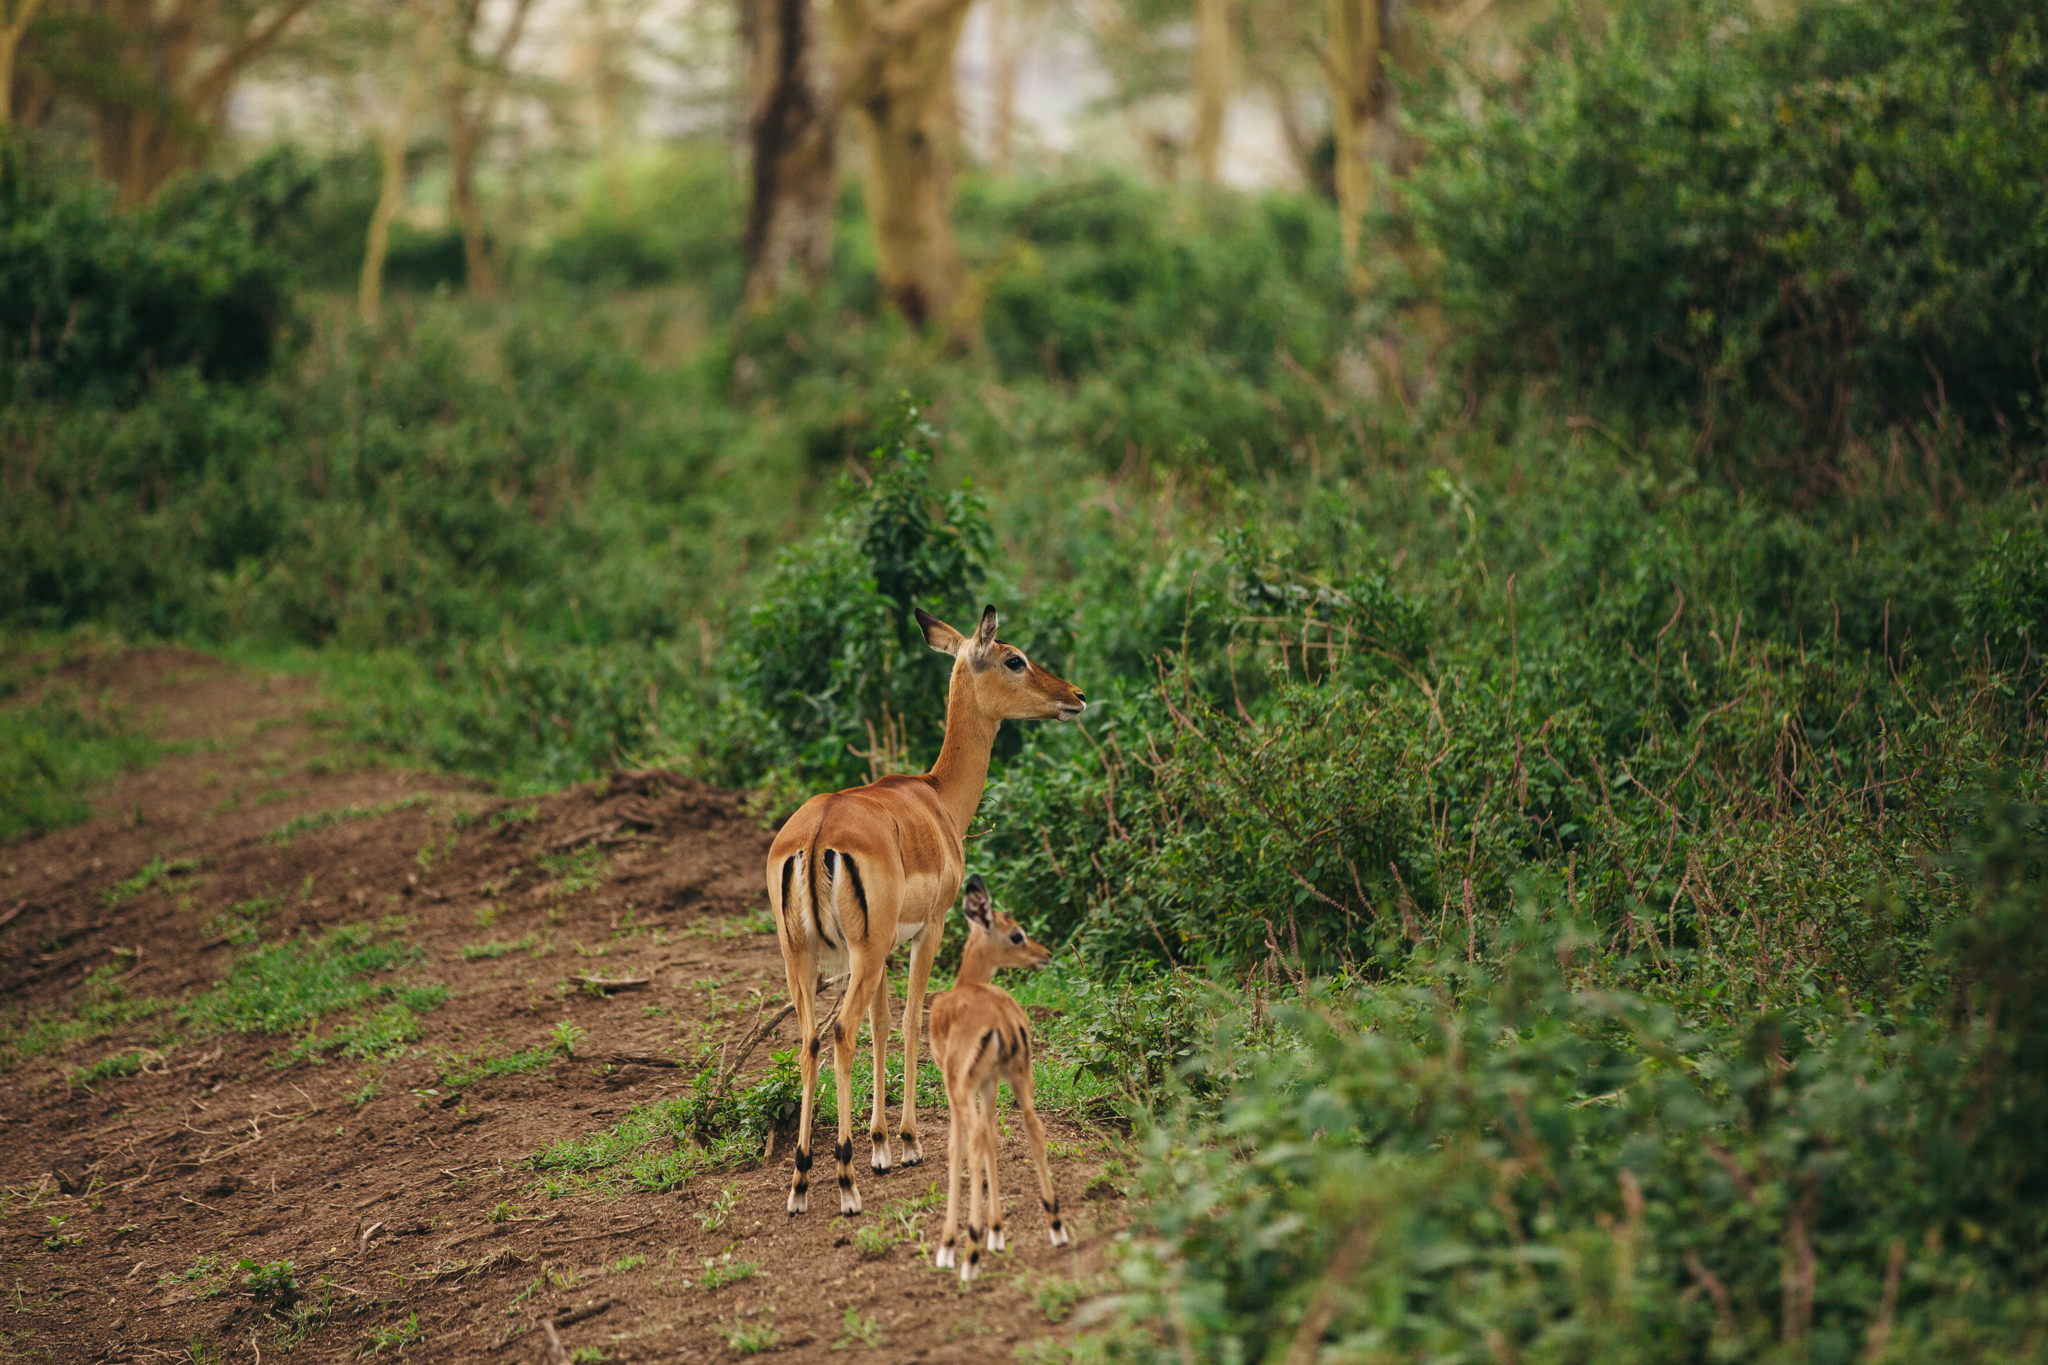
(856, 874)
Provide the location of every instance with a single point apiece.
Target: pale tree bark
(1213, 75)
(605, 60)
(796, 176)
(1002, 45)
(474, 83)
(187, 55)
(898, 84)
(1351, 64)
(418, 51)
(11, 31)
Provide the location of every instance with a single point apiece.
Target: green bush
(1496, 1161)
(1823, 220)
(97, 303)
(831, 664)
(672, 216)
(52, 751)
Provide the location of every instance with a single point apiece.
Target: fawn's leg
(944, 1256)
(1034, 1129)
(991, 1138)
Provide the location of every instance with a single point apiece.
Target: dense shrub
(97, 302)
(671, 216)
(830, 674)
(1499, 1162)
(1837, 217)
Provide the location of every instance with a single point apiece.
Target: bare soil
(168, 1178)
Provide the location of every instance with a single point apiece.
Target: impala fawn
(980, 1036)
(857, 874)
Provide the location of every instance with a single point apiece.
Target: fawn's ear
(938, 634)
(980, 910)
(985, 633)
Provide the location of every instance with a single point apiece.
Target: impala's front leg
(878, 1117)
(860, 989)
(922, 954)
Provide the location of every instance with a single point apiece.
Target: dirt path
(405, 1203)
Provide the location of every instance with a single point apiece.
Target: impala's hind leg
(860, 989)
(1035, 1131)
(801, 975)
(878, 1118)
(972, 1119)
(991, 1138)
(923, 950)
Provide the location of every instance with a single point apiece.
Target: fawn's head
(994, 940)
(1004, 684)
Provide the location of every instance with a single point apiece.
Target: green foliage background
(1555, 834)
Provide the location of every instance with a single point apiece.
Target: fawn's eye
(1015, 663)
(1017, 937)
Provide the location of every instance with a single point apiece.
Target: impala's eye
(1017, 937)
(1015, 663)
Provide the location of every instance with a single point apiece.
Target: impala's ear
(979, 908)
(985, 633)
(938, 634)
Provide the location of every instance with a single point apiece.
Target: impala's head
(995, 939)
(1005, 684)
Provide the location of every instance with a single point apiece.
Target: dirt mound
(397, 1182)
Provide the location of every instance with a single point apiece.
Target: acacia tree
(176, 65)
(790, 126)
(389, 94)
(475, 80)
(1365, 38)
(14, 22)
(1214, 60)
(897, 81)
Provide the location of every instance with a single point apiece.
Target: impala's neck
(962, 767)
(976, 965)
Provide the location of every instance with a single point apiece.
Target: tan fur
(979, 1037)
(896, 846)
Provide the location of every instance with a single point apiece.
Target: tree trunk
(1002, 47)
(10, 44)
(473, 87)
(1212, 83)
(391, 141)
(1352, 66)
(479, 276)
(900, 89)
(796, 176)
(162, 117)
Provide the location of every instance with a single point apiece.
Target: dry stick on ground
(557, 1355)
(570, 1317)
(604, 983)
(761, 1030)
(600, 1236)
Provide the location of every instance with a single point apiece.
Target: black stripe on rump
(860, 893)
(981, 1047)
(811, 877)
